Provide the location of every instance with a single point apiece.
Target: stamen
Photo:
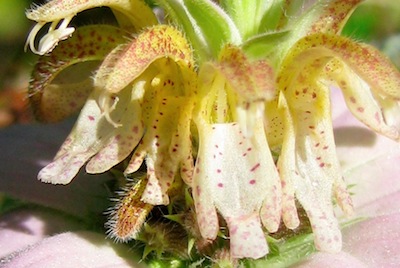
(50, 40)
(30, 40)
(247, 116)
(107, 104)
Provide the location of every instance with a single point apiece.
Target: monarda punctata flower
(225, 107)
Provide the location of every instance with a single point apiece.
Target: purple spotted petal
(236, 175)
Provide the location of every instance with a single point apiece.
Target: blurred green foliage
(374, 20)
(377, 22)
(13, 24)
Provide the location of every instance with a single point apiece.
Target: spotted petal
(234, 174)
(308, 164)
(248, 85)
(369, 81)
(61, 82)
(93, 134)
(127, 62)
(163, 57)
(60, 12)
(167, 141)
(312, 173)
(251, 80)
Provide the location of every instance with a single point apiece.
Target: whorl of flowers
(219, 113)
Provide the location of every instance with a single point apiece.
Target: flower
(362, 158)
(205, 104)
(239, 192)
(309, 168)
(105, 131)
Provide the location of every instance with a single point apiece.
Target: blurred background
(375, 21)
(15, 65)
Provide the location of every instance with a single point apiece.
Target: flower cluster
(229, 102)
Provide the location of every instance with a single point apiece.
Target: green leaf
(273, 17)
(216, 25)
(8, 203)
(286, 252)
(206, 25)
(247, 14)
(263, 45)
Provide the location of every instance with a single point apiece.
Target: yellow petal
(137, 11)
(254, 81)
(93, 134)
(127, 62)
(166, 145)
(61, 82)
(368, 79)
(308, 164)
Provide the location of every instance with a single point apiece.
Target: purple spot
(255, 167)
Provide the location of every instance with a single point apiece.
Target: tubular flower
(142, 109)
(369, 85)
(248, 193)
(55, 96)
(308, 164)
(228, 113)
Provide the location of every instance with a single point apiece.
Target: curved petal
(367, 163)
(118, 142)
(248, 84)
(254, 81)
(91, 134)
(61, 82)
(126, 63)
(370, 86)
(137, 11)
(312, 189)
(308, 164)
